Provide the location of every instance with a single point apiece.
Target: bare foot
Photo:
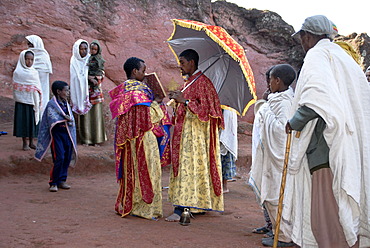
(26, 148)
(32, 146)
(173, 218)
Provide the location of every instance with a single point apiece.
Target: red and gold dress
(138, 163)
(196, 178)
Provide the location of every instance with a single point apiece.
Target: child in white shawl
(43, 65)
(269, 147)
(27, 96)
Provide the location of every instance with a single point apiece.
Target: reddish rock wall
(140, 28)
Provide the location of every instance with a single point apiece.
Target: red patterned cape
(204, 103)
(132, 124)
(166, 122)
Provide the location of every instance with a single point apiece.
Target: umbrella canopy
(221, 59)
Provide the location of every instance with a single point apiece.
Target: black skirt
(24, 121)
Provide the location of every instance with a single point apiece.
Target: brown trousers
(325, 223)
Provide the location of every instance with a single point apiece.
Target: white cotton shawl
(334, 86)
(79, 87)
(268, 145)
(229, 135)
(268, 150)
(42, 59)
(26, 85)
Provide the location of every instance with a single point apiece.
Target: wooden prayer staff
(282, 187)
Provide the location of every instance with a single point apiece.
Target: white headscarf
(42, 59)
(26, 85)
(79, 86)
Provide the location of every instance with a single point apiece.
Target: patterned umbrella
(221, 59)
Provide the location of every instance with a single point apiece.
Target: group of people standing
(31, 88)
(196, 174)
(326, 200)
(142, 132)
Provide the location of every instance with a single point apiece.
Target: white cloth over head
(42, 60)
(79, 87)
(26, 85)
(42, 64)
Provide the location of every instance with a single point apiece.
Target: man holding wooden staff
(332, 155)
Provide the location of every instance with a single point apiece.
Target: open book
(153, 82)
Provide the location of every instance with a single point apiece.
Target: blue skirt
(228, 166)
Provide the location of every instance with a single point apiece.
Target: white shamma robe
(268, 150)
(333, 85)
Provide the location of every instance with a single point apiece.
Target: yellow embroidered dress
(138, 164)
(196, 178)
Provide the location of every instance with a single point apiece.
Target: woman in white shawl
(79, 71)
(89, 120)
(43, 65)
(27, 96)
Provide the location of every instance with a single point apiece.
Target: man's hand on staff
(177, 96)
(288, 128)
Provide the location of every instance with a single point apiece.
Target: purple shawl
(54, 114)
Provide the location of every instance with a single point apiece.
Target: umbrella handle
(187, 86)
(170, 102)
(282, 189)
(298, 134)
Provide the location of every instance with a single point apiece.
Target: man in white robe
(331, 110)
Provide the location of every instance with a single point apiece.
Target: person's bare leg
(25, 145)
(224, 186)
(31, 144)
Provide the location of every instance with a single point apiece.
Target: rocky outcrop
(361, 43)
(140, 28)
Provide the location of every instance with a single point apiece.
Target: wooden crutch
(282, 187)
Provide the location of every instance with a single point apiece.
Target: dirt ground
(84, 216)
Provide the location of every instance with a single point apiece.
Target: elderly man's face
(305, 38)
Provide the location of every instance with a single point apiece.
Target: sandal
(261, 230)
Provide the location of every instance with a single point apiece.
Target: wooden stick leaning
(282, 187)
